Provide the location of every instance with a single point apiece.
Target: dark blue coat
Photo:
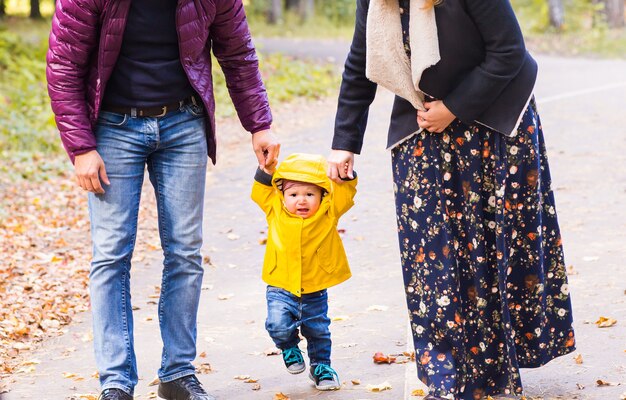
(485, 74)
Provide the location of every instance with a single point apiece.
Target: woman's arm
(356, 93)
(504, 56)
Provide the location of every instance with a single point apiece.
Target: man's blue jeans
(287, 312)
(173, 148)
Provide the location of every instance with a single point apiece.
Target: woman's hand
(436, 118)
(340, 163)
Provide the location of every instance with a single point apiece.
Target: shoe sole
(296, 372)
(323, 388)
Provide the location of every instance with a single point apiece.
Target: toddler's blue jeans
(286, 313)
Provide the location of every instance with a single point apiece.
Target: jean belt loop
(133, 112)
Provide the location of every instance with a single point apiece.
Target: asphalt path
(582, 103)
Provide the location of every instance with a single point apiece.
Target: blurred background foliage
(564, 27)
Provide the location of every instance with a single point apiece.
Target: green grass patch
(27, 129)
(292, 26)
(285, 79)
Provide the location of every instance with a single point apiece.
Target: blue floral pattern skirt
(482, 259)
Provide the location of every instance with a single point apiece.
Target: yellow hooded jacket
(303, 255)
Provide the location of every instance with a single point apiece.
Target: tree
(614, 13)
(306, 9)
(275, 13)
(34, 9)
(3, 11)
(557, 13)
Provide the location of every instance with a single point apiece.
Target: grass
(27, 129)
(293, 27)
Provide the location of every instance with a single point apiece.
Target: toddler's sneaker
(325, 377)
(293, 360)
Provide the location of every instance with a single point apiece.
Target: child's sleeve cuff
(263, 177)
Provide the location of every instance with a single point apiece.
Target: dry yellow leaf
(281, 396)
(379, 388)
(578, 358)
(604, 322)
(356, 381)
(155, 381)
(256, 386)
(241, 377)
(418, 392)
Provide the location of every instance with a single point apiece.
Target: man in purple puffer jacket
(131, 87)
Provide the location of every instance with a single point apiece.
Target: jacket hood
(310, 168)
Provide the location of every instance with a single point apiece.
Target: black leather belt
(156, 111)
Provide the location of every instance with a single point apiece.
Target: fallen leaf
(203, 368)
(341, 318)
(604, 322)
(251, 380)
(272, 351)
(86, 396)
(256, 386)
(154, 382)
(281, 396)
(578, 358)
(263, 241)
(579, 386)
(418, 392)
(241, 377)
(377, 308)
(601, 382)
(381, 358)
(378, 388)
(202, 355)
(356, 381)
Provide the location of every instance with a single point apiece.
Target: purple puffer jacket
(85, 42)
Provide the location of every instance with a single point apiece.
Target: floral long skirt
(481, 253)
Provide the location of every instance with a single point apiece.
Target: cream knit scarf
(387, 63)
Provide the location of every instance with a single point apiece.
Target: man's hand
(89, 169)
(436, 118)
(340, 165)
(266, 148)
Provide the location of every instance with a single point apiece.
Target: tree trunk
(306, 9)
(614, 11)
(557, 13)
(34, 9)
(3, 10)
(275, 13)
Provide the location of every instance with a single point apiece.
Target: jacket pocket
(112, 119)
(325, 259)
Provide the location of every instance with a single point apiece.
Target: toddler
(304, 256)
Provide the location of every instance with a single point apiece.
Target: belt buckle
(163, 112)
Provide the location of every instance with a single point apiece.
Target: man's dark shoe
(185, 388)
(114, 394)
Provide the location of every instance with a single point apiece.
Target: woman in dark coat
(480, 245)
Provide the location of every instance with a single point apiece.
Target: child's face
(303, 199)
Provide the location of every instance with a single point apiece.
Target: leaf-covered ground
(45, 247)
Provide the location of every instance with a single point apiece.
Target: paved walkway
(583, 109)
